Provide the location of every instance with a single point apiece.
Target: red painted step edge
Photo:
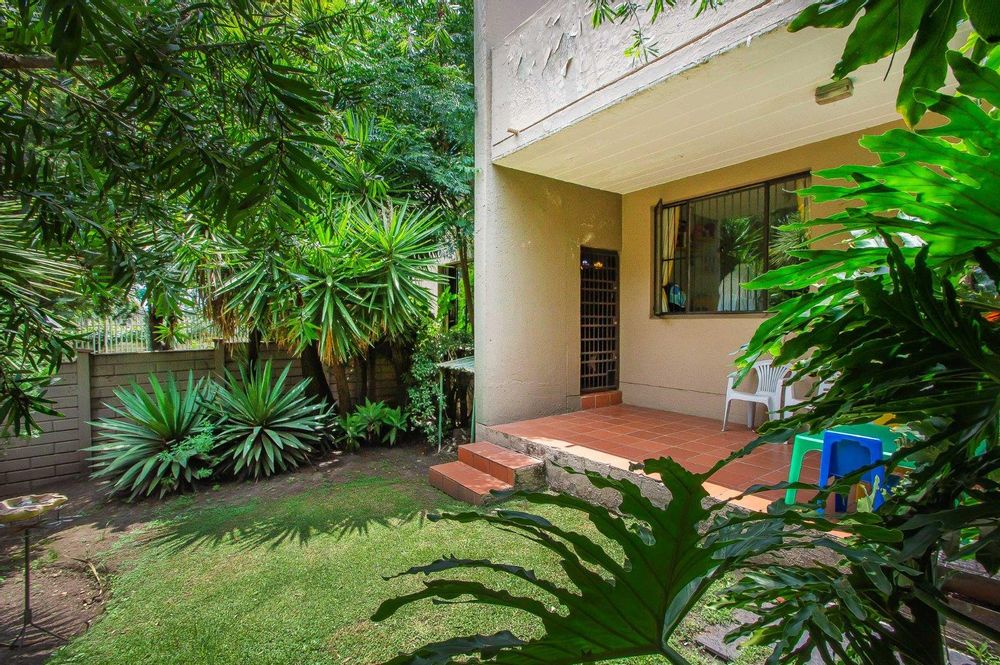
(463, 482)
(496, 461)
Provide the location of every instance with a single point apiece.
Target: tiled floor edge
(561, 454)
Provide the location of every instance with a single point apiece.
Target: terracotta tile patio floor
(635, 433)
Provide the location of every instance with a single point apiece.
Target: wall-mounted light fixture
(834, 92)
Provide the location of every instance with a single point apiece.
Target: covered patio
(622, 434)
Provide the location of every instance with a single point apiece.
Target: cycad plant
(158, 445)
(263, 429)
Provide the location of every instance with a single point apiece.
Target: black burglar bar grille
(598, 320)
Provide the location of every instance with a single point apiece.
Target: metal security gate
(598, 320)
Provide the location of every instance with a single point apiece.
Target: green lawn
(295, 580)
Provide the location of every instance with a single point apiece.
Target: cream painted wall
(680, 363)
(556, 69)
(529, 231)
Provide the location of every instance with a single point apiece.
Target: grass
(295, 580)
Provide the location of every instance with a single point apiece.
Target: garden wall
(83, 389)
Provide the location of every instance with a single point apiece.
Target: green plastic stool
(806, 442)
(803, 444)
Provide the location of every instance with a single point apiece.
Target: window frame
(658, 259)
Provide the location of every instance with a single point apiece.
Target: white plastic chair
(791, 400)
(770, 391)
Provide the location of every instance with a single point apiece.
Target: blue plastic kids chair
(843, 454)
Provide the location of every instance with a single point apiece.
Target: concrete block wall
(84, 390)
(116, 370)
(26, 463)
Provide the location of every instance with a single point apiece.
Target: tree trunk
(463, 263)
(155, 321)
(344, 402)
(370, 371)
(930, 636)
(399, 369)
(463, 402)
(312, 371)
(361, 367)
(253, 348)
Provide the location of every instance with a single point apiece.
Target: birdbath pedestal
(22, 513)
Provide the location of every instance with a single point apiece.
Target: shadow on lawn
(335, 509)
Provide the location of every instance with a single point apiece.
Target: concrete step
(507, 465)
(465, 483)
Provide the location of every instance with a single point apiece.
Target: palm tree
(401, 241)
(339, 285)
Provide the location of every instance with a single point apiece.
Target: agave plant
(159, 443)
(262, 429)
(615, 605)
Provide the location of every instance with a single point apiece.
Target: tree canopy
(151, 146)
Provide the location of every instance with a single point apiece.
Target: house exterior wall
(680, 363)
(529, 230)
(550, 80)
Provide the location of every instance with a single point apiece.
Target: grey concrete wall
(84, 390)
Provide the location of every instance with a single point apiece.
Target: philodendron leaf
(618, 604)
(886, 27)
(985, 18)
(927, 67)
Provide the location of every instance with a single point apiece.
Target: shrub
(262, 429)
(372, 423)
(424, 390)
(161, 444)
(332, 434)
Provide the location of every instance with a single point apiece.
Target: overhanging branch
(24, 62)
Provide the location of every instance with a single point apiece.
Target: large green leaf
(885, 27)
(908, 334)
(615, 605)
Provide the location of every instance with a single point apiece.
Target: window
(708, 247)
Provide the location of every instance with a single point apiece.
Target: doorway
(598, 320)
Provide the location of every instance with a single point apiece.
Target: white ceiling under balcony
(753, 100)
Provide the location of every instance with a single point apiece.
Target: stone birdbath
(22, 513)
(14, 512)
